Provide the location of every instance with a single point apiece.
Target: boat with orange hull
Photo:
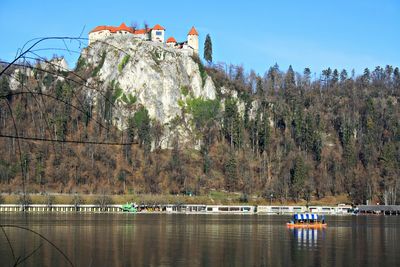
(307, 225)
(307, 220)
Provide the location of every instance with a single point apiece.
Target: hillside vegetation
(284, 135)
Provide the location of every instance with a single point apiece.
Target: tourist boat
(307, 220)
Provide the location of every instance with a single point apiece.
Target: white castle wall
(141, 36)
(99, 35)
(193, 41)
(157, 36)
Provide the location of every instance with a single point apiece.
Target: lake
(198, 240)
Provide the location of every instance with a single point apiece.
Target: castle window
(158, 33)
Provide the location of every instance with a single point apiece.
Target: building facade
(154, 34)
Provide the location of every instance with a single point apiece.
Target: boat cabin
(308, 218)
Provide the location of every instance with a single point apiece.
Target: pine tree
(231, 172)
(263, 130)
(208, 49)
(396, 78)
(343, 76)
(232, 123)
(307, 76)
(290, 84)
(327, 76)
(298, 176)
(335, 76)
(4, 87)
(142, 124)
(366, 77)
(259, 87)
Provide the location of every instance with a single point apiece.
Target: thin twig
(25, 138)
(29, 255)
(41, 236)
(9, 242)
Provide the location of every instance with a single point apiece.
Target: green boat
(129, 207)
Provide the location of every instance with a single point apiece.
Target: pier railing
(59, 208)
(181, 208)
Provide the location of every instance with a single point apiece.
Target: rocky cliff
(155, 75)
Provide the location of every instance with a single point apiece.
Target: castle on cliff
(155, 34)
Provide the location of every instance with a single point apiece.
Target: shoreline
(178, 209)
(211, 198)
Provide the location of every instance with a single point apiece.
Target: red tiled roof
(142, 31)
(193, 31)
(113, 29)
(171, 40)
(159, 27)
(123, 27)
(99, 28)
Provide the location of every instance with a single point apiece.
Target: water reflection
(307, 238)
(202, 240)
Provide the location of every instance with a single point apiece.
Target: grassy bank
(214, 197)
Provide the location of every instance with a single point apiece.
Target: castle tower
(171, 42)
(193, 40)
(157, 33)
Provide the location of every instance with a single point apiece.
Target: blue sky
(316, 34)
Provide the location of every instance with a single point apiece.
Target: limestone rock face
(54, 65)
(58, 63)
(152, 72)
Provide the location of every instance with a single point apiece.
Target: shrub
(77, 200)
(244, 198)
(203, 73)
(100, 65)
(123, 63)
(185, 90)
(103, 200)
(49, 200)
(80, 64)
(24, 199)
(48, 80)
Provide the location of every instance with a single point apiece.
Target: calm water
(200, 240)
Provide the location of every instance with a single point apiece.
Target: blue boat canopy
(306, 216)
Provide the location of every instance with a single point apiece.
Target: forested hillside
(286, 134)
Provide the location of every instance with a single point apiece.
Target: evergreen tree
(4, 87)
(231, 172)
(343, 76)
(308, 133)
(396, 78)
(141, 121)
(175, 166)
(273, 76)
(290, 85)
(327, 75)
(259, 87)
(232, 123)
(208, 49)
(298, 128)
(335, 77)
(290, 82)
(389, 173)
(307, 76)
(348, 147)
(366, 77)
(298, 177)
(263, 130)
